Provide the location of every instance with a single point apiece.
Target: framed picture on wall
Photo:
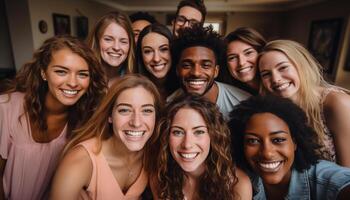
(61, 24)
(323, 41)
(82, 23)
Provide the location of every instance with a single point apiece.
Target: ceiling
(212, 5)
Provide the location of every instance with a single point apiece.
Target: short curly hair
(142, 16)
(218, 179)
(197, 36)
(308, 150)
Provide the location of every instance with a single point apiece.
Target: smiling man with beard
(196, 54)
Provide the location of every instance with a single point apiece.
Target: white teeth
(70, 92)
(282, 86)
(134, 133)
(243, 70)
(114, 54)
(158, 66)
(197, 82)
(271, 165)
(188, 155)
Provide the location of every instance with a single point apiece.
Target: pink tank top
(103, 184)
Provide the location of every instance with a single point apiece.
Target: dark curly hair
(308, 150)
(142, 16)
(29, 81)
(218, 179)
(196, 4)
(197, 36)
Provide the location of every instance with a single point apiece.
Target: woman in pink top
(51, 95)
(110, 156)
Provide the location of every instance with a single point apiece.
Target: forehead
(190, 13)
(272, 58)
(196, 53)
(135, 96)
(188, 117)
(265, 123)
(238, 45)
(153, 39)
(115, 30)
(140, 24)
(67, 58)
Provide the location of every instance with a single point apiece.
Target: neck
(212, 93)
(111, 72)
(254, 84)
(119, 150)
(54, 107)
(278, 191)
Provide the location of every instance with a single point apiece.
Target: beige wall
(298, 27)
(43, 9)
(295, 25)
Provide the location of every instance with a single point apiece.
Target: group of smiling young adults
(142, 112)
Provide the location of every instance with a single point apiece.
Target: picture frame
(324, 41)
(82, 23)
(61, 24)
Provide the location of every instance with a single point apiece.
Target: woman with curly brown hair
(194, 160)
(53, 94)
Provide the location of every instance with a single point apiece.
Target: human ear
(43, 76)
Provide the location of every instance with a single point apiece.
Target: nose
(186, 24)
(196, 70)
(276, 77)
(116, 45)
(72, 81)
(135, 120)
(242, 60)
(267, 151)
(187, 142)
(156, 57)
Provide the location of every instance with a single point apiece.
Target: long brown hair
(98, 125)
(101, 25)
(29, 81)
(218, 179)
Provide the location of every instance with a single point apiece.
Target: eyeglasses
(181, 20)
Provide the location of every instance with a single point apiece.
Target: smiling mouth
(69, 93)
(270, 166)
(188, 156)
(113, 54)
(158, 67)
(196, 84)
(134, 134)
(245, 69)
(282, 86)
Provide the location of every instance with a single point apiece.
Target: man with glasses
(189, 12)
(196, 54)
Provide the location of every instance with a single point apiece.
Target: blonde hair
(98, 125)
(311, 79)
(101, 25)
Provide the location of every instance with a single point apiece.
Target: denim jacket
(323, 180)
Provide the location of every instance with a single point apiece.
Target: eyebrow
(66, 68)
(282, 62)
(196, 127)
(271, 133)
(248, 49)
(129, 105)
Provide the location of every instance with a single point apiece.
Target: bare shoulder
(337, 102)
(243, 187)
(72, 175)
